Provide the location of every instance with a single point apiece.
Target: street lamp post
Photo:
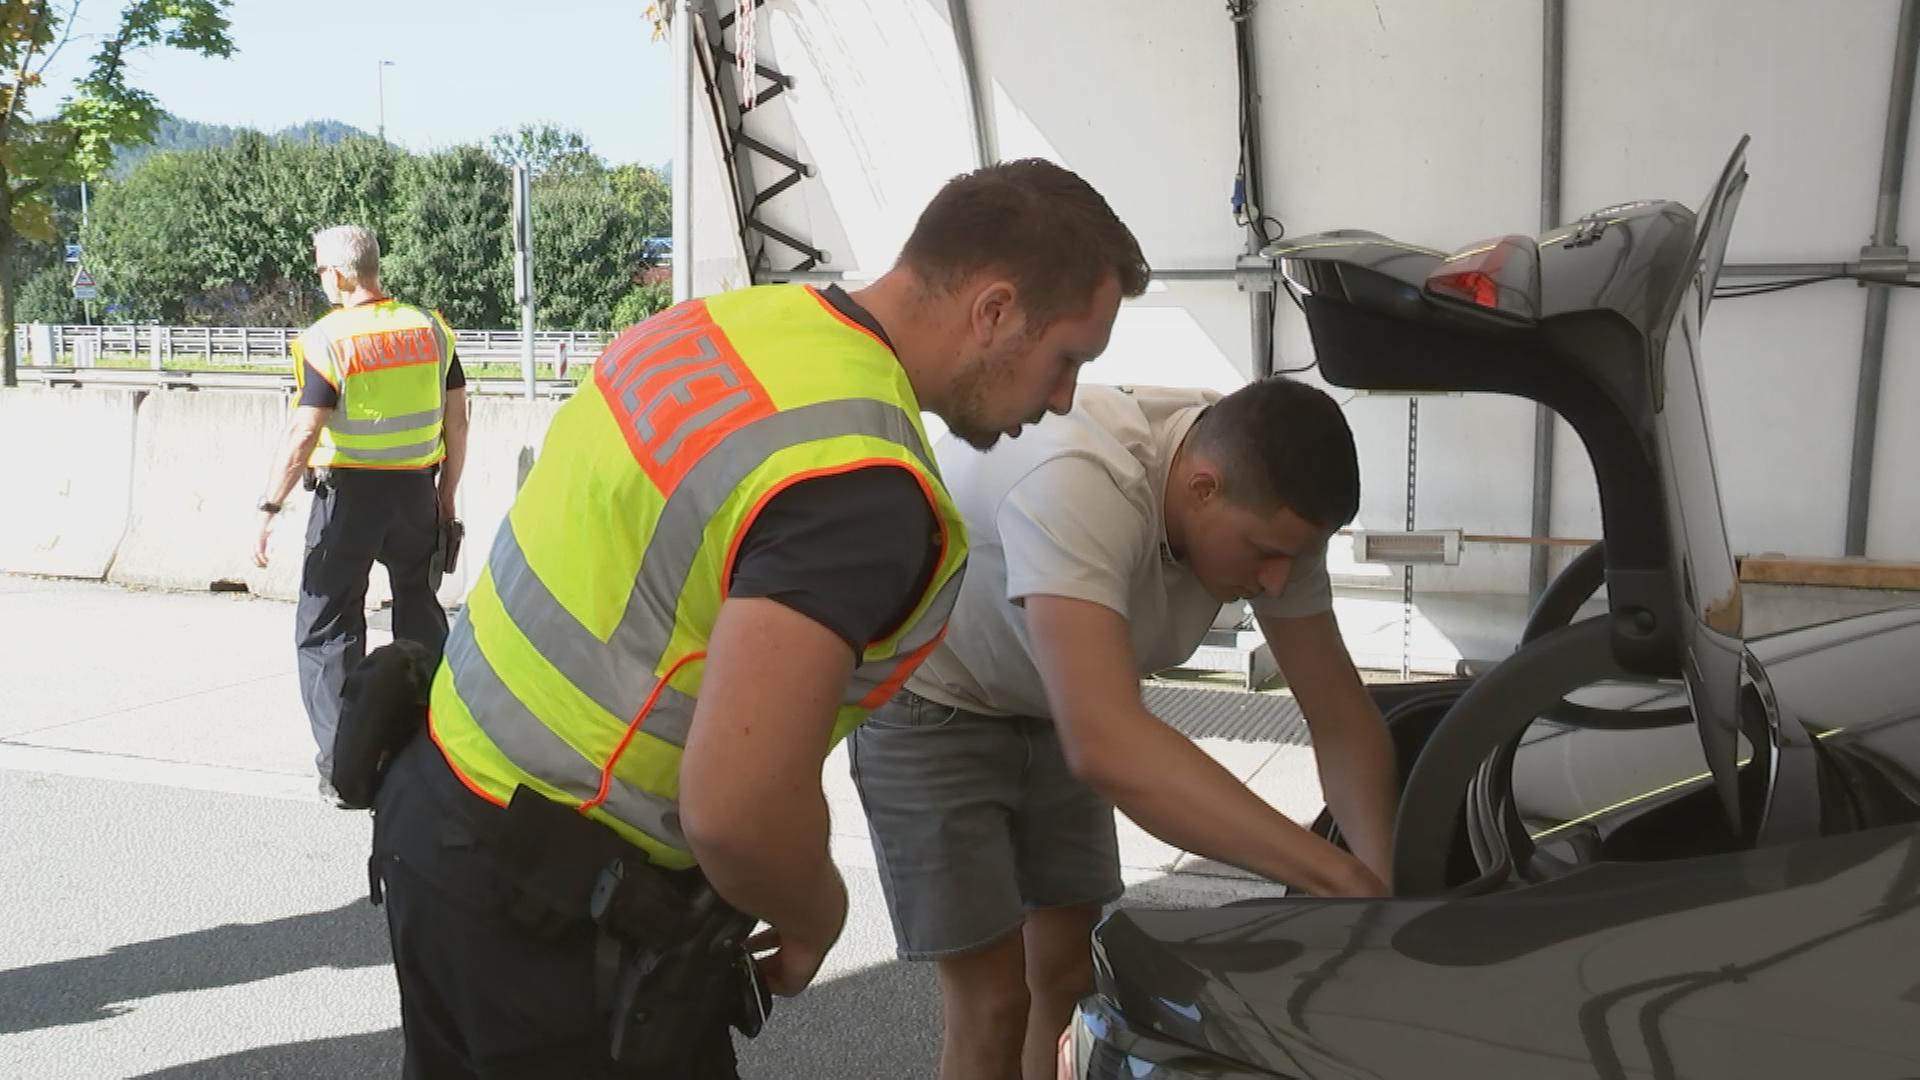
(381, 78)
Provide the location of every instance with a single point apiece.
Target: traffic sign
(73, 253)
(83, 285)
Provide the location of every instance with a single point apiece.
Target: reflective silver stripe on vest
(618, 674)
(538, 751)
(446, 359)
(874, 674)
(596, 669)
(385, 425)
(388, 453)
(446, 350)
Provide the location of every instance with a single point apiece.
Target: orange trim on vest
(851, 323)
(606, 774)
(940, 560)
(462, 777)
(678, 387)
(884, 692)
(746, 524)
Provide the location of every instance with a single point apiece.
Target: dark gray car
(1645, 844)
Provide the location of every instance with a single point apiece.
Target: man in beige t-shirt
(1103, 544)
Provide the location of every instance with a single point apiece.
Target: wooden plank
(1833, 573)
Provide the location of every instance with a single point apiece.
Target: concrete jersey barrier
(200, 463)
(68, 477)
(157, 489)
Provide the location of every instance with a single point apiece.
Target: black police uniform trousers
(481, 994)
(359, 517)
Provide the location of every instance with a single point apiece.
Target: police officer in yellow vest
(380, 432)
(734, 544)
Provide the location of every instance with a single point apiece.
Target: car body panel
(1739, 900)
(1762, 963)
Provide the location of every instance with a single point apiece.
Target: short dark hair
(1281, 443)
(1048, 230)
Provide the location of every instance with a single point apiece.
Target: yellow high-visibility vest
(575, 665)
(389, 362)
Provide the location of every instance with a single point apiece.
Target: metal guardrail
(219, 345)
(257, 381)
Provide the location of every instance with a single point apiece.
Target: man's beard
(979, 440)
(968, 422)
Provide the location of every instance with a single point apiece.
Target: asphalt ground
(177, 902)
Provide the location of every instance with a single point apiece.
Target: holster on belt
(673, 953)
(556, 854)
(670, 997)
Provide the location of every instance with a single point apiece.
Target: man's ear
(993, 309)
(1203, 484)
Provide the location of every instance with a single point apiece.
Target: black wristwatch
(266, 507)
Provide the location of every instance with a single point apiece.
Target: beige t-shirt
(1075, 508)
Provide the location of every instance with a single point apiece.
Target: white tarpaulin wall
(1421, 121)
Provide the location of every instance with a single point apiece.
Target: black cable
(1267, 230)
(1762, 288)
(1287, 284)
(1274, 332)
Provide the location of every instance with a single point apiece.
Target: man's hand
(266, 533)
(793, 962)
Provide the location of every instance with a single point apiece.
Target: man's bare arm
(454, 431)
(303, 433)
(1358, 769)
(1158, 776)
(750, 796)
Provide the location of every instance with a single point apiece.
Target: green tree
(157, 236)
(586, 252)
(450, 247)
(547, 150)
(641, 302)
(224, 235)
(41, 267)
(306, 187)
(238, 207)
(76, 142)
(46, 295)
(647, 196)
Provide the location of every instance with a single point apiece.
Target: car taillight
(1499, 278)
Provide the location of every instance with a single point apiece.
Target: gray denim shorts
(976, 821)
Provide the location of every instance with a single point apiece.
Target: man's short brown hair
(1041, 225)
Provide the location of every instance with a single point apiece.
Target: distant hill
(323, 132)
(174, 133)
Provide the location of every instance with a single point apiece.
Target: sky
(462, 70)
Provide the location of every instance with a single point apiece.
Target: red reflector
(1501, 278)
(1473, 286)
